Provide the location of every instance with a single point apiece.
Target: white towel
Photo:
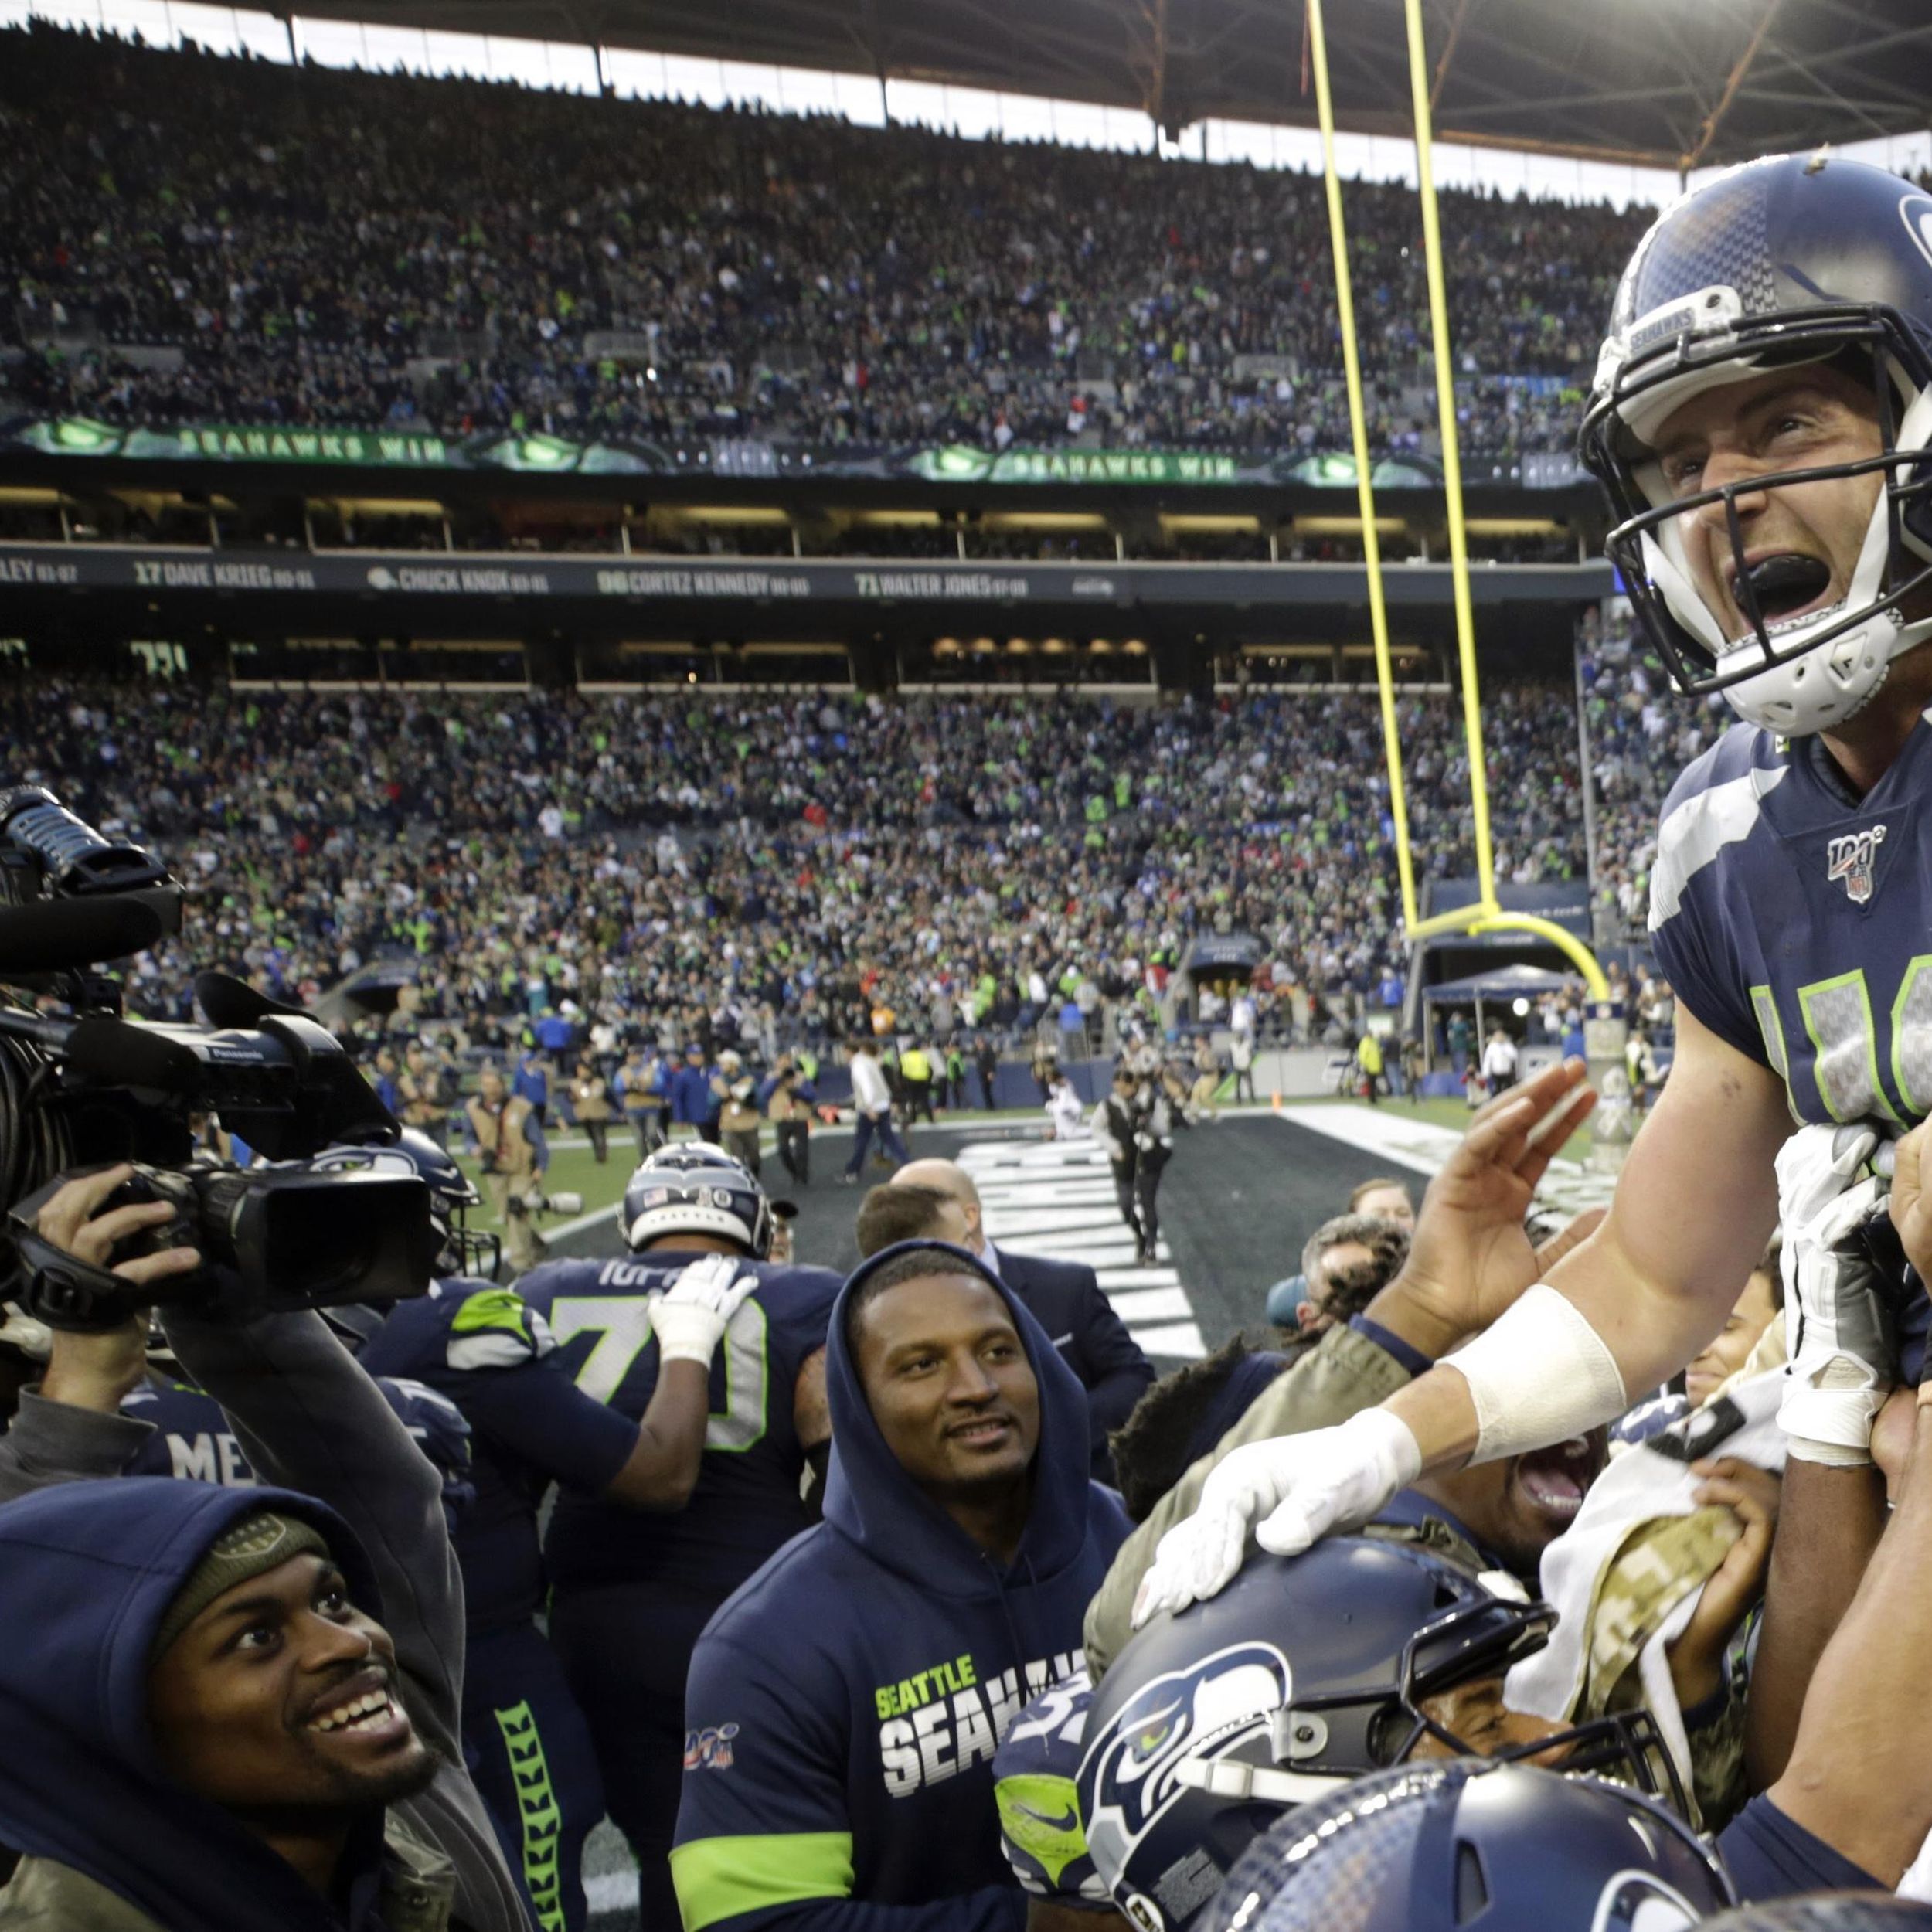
(1643, 1485)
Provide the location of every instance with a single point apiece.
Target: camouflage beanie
(255, 1544)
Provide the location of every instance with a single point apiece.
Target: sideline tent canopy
(1506, 983)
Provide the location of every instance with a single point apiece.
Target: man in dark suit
(935, 1200)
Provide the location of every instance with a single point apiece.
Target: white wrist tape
(1540, 1375)
(1833, 1455)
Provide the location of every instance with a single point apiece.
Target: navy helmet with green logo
(452, 1195)
(1305, 1673)
(1475, 1843)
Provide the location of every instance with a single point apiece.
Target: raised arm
(1829, 1523)
(1628, 1307)
(1695, 1202)
(69, 1426)
(1859, 1776)
(510, 1383)
(1469, 1260)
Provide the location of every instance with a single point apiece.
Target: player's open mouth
(1556, 1479)
(365, 1710)
(1787, 586)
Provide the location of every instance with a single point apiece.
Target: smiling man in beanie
(227, 1709)
(208, 1729)
(844, 1705)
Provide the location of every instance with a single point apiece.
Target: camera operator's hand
(95, 1370)
(69, 1222)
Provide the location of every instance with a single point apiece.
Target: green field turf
(572, 1170)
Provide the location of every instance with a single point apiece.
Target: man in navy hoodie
(844, 1705)
(230, 1708)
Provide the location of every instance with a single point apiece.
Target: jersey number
(1839, 1018)
(622, 1325)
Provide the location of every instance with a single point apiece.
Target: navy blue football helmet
(1829, 1912)
(452, 1195)
(1306, 1672)
(1786, 262)
(1432, 1847)
(692, 1187)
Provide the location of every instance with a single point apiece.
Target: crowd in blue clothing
(717, 868)
(780, 276)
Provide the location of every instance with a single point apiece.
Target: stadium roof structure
(1673, 83)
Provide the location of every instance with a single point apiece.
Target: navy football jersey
(488, 1351)
(747, 1504)
(193, 1439)
(1794, 920)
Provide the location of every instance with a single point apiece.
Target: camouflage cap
(250, 1548)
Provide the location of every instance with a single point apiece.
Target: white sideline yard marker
(1057, 1198)
(1392, 1135)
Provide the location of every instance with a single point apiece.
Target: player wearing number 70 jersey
(630, 1594)
(1762, 418)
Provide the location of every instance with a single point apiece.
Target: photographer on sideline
(506, 1134)
(207, 1724)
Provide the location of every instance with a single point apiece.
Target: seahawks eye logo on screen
(1130, 1775)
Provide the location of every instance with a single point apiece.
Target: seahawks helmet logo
(1916, 212)
(1131, 1775)
(1639, 1902)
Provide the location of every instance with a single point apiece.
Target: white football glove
(689, 1318)
(1297, 1488)
(1844, 1358)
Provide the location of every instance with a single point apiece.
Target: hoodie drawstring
(1006, 1611)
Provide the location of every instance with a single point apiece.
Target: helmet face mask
(467, 1252)
(1626, 1748)
(1769, 268)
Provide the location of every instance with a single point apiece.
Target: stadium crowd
(807, 861)
(1534, 1574)
(783, 277)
